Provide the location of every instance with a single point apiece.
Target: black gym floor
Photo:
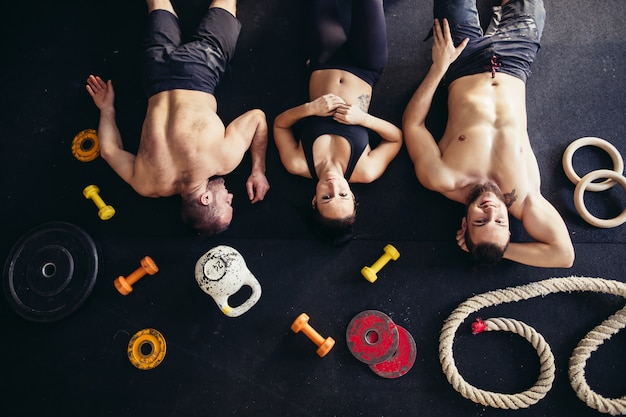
(254, 364)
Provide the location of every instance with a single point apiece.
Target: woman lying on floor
(327, 138)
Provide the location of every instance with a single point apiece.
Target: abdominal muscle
(486, 136)
(341, 83)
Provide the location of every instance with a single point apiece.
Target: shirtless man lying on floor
(183, 141)
(484, 159)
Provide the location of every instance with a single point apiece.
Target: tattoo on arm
(364, 102)
(510, 198)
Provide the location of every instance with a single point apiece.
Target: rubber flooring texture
(254, 364)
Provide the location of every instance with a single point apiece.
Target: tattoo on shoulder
(364, 102)
(510, 198)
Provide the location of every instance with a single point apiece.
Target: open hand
(102, 93)
(444, 52)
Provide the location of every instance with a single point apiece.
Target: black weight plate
(50, 271)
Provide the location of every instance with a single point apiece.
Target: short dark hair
(202, 219)
(485, 253)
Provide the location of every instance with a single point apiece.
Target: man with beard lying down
(184, 147)
(484, 158)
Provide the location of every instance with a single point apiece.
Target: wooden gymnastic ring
(616, 157)
(579, 201)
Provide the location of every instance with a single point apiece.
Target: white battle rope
(578, 360)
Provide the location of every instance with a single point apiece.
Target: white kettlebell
(221, 272)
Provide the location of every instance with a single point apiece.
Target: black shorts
(509, 45)
(198, 65)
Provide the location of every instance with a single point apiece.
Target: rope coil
(578, 360)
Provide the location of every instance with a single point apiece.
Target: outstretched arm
(111, 148)
(552, 246)
(420, 143)
(287, 144)
(250, 130)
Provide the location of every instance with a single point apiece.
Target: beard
(479, 189)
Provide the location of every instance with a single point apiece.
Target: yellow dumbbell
(105, 211)
(369, 272)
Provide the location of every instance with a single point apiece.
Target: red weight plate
(372, 337)
(403, 359)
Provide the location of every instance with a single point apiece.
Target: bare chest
(482, 155)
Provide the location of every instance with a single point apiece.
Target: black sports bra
(316, 126)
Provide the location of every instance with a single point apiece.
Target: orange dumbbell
(323, 345)
(125, 284)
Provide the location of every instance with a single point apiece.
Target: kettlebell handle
(230, 311)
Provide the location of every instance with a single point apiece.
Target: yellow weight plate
(85, 146)
(146, 349)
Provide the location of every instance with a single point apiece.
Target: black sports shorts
(197, 65)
